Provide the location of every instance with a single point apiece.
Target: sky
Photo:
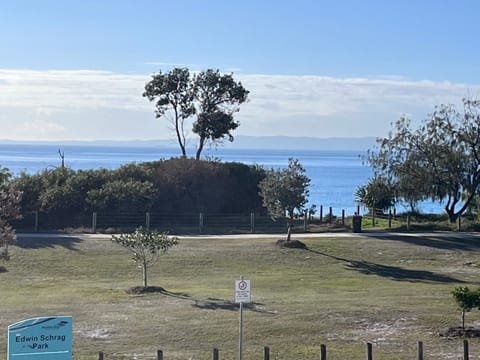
(76, 69)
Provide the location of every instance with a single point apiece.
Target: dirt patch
(468, 332)
(292, 244)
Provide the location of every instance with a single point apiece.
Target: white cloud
(87, 104)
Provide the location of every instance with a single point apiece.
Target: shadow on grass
(222, 304)
(67, 242)
(392, 272)
(446, 241)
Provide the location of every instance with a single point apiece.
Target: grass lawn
(342, 292)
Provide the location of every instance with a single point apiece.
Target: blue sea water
(334, 174)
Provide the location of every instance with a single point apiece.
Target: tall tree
(285, 191)
(441, 158)
(218, 98)
(173, 93)
(213, 97)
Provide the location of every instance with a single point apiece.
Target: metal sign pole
(240, 342)
(242, 294)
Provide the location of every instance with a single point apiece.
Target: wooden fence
(323, 352)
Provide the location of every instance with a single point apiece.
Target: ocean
(334, 174)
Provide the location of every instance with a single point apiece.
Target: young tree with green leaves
(285, 191)
(145, 247)
(466, 300)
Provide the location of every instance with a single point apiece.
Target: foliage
(218, 97)
(466, 300)
(145, 247)
(285, 191)
(122, 196)
(178, 185)
(9, 210)
(173, 93)
(439, 160)
(213, 97)
(376, 195)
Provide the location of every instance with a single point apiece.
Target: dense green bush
(177, 185)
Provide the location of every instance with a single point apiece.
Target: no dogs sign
(242, 291)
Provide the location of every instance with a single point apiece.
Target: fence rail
(322, 352)
(207, 223)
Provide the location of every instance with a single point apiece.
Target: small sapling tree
(466, 300)
(285, 192)
(145, 246)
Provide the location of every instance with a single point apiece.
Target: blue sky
(76, 69)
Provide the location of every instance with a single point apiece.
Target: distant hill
(241, 142)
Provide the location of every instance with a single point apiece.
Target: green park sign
(41, 338)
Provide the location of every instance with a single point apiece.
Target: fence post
(369, 351)
(36, 221)
(389, 219)
(94, 222)
(321, 214)
(323, 352)
(159, 355)
(465, 350)
(147, 220)
(215, 354)
(100, 355)
(343, 217)
(305, 221)
(266, 353)
(420, 350)
(200, 223)
(330, 215)
(252, 222)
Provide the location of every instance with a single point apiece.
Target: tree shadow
(393, 272)
(222, 304)
(442, 241)
(67, 242)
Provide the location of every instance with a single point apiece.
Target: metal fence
(225, 223)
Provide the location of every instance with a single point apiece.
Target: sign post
(41, 338)
(242, 295)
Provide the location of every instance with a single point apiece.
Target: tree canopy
(211, 96)
(440, 160)
(285, 191)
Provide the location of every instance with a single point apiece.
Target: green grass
(342, 292)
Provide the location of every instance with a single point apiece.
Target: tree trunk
(145, 275)
(289, 231)
(180, 136)
(201, 144)
(463, 319)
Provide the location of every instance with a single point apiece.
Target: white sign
(242, 291)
